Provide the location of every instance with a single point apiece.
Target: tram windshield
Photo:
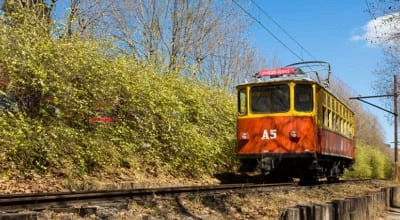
(270, 99)
(303, 98)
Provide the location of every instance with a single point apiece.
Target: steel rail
(81, 200)
(33, 201)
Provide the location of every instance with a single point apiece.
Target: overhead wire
(286, 32)
(282, 29)
(269, 31)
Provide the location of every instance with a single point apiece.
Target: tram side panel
(336, 127)
(335, 144)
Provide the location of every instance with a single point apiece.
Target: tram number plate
(269, 134)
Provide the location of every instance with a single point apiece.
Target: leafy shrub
(186, 128)
(370, 163)
(172, 124)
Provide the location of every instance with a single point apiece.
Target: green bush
(171, 124)
(370, 163)
(185, 127)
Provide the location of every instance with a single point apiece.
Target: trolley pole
(396, 163)
(395, 114)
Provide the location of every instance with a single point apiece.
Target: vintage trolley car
(290, 125)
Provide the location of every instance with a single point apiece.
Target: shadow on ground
(231, 178)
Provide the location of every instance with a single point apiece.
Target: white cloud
(380, 31)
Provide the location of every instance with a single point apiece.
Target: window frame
(270, 99)
(242, 101)
(296, 98)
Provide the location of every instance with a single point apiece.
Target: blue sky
(332, 31)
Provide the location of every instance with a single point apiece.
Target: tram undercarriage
(306, 167)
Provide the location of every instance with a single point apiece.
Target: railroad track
(85, 202)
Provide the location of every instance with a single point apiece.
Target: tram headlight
(244, 136)
(293, 134)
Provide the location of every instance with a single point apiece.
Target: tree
(39, 11)
(201, 39)
(367, 128)
(205, 40)
(386, 35)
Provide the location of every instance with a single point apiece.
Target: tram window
(330, 119)
(329, 103)
(303, 94)
(324, 116)
(341, 125)
(242, 97)
(270, 99)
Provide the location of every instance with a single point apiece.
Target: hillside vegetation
(164, 123)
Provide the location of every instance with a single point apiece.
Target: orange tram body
(292, 126)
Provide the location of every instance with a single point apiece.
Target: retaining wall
(354, 208)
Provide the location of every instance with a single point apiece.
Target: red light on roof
(276, 72)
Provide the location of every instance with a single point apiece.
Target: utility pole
(395, 95)
(396, 163)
